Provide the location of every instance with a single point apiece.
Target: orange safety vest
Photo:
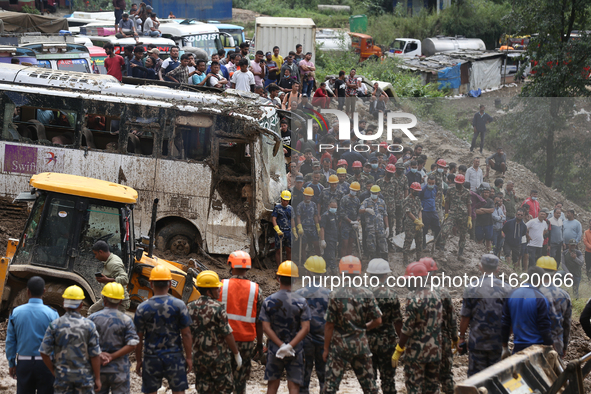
(240, 299)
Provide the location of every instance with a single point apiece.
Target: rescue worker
(113, 271)
(297, 196)
(118, 338)
(212, 338)
(343, 184)
(388, 189)
(459, 203)
(316, 187)
(358, 175)
(161, 322)
(382, 339)
(482, 311)
(449, 331)
(440, 181)
(420, 338)
(330, 193)
(376, 224)
(351, 311)
(560, 305)
(308, 224)
(283, 219)
(413, 224)
(70, 348)
(26, 327)
(400, 182)
(243, 300)
(317, 298)
(349, 219)
(286, 322)
(329, 235)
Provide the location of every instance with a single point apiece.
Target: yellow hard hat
(315, 264)
(308, 191)
(73, 293)
(160, 272)
(288, 268)
(333, 179)
(375, 189)
(286, 195)
(113, 290)
(341, 170)
(355, 186)
(547, 262)
(208, 279)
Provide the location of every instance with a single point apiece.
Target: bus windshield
(235, 33)
(80, 65)
(209, 42)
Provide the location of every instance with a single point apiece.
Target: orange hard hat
(441, 163)
(239, 259)
(391, 168)
(342, 162)
(350, 265)
(357, 164)
(415, 269)
(459, 178)
(416, 186)
(429, 264)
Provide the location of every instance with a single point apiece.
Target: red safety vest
(240, 298)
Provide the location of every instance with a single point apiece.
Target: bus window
(191, 143)
(80, 65)
(43, 63)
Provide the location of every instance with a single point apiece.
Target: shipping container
(285, 33)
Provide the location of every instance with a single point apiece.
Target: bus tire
(179, 238)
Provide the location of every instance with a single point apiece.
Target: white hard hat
(378, 267)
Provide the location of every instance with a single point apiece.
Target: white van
(197, 35)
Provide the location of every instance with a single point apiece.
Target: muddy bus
(211, 159)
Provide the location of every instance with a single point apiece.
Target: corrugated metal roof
(440, 61)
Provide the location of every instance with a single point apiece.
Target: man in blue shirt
(526, 313)
(25, 332)
(430, 216)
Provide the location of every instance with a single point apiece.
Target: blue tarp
(449, 77)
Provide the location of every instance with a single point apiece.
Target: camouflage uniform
(483, 304)
(73, 341)
(328, 222)
(306, 212)
(440, 179)
(283, 216)
(161, 319)
(344, 187)
(388, 190)
(413, 205)
(285, 311)
(318, 188)
(363, 178)
(115, 330)
(349, 208)
(422, 354)
(400, 184)
(458, 215)
(382, 339)
(350, 308)
(212, 359)
(560, 315)
(326, 196)
(377, 245)
(317, 299)
(449, 331)
(113, 268)
(308, 179)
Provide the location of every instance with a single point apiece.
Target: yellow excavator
(69, 214)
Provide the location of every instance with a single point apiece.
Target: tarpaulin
(449, 77)
(485, 74)
(17, 22)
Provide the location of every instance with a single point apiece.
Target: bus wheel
(176, 237)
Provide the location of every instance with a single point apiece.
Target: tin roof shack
(461, 71)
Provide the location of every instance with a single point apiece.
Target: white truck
(410, 47)
(285, 33)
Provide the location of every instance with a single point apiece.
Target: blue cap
(489, 261)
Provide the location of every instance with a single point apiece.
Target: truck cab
(405, 48)
(363, 45)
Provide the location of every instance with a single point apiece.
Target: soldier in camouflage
(449, 331)
(118, 338)
(358, 175)
(440, 181)
(420, 340)
(376, 224)
(382, 339)
(349, 219)
(283, 219)
(317, 187)
(213, 342)
(73, 343)
(389, 188)
(459, 203)
(343, 186)
(413, 224)
(559, 301)
(331, 193)
(286, 322)
(308, 224)
(161, 321)
(482, 310)
(297, 196)
(400, 183)
(317, 298)
(351, 311)
(329, 236)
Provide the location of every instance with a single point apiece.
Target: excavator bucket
(536, 369)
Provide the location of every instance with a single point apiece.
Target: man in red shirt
(534, 204)
(113, 63)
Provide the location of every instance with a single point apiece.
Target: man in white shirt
(474, 175)
(243, 79)
(215, 77)
(536, 230)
